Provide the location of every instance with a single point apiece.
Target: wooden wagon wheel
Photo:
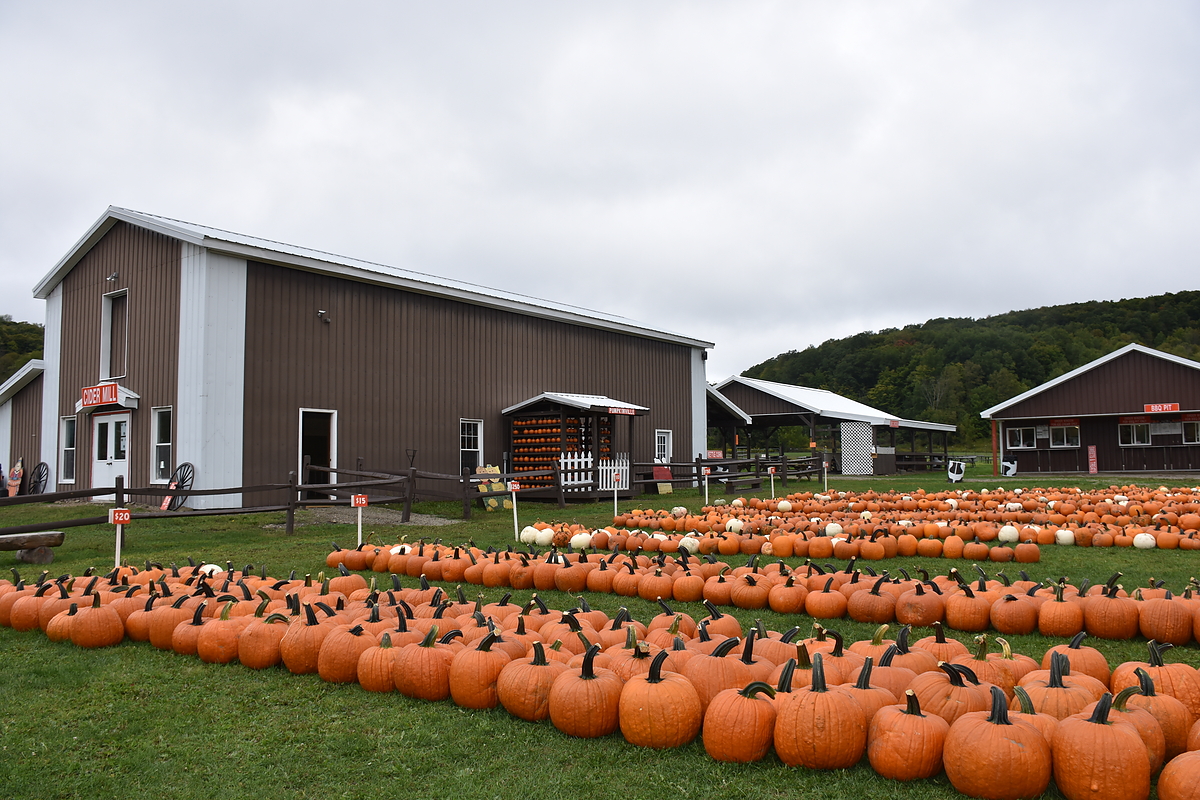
(181, 482)
(38, 478)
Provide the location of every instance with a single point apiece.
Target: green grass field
(133, 721)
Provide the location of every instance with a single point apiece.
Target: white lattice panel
(858, 445)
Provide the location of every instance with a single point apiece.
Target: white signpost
(771, 472)
(513, 488)
(616, 488)
(359, 501)
(119, 517)
(707, 472)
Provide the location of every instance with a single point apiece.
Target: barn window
(1134, 434)
(470, 444)
(160, 467)
(1191, 432)
(114, 335)
(66, 459)
(1064, 436)
(1021, 438)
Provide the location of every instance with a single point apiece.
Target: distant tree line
(19, 342)
(948, 370)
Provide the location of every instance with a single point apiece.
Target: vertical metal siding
(402, 368)
(147, 265)
(1121, 386)
(26, 439)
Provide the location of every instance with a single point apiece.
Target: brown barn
(1135, 409)
(169, 342)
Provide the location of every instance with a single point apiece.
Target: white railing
(580, 469)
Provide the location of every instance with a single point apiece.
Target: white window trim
(62, 449)
(1033, 436)
(106, 335)
(333, 441)
(155, 444)
(1075, 446)
(462, 449)
(670, 448)
(1145, 425)
(1196, 427)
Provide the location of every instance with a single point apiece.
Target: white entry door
(110, 449)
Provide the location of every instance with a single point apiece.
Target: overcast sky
(761, 175)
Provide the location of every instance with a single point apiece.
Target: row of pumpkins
(999, 724)
(1109, 610)
(1123, 516)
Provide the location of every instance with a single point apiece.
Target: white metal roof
(319, 261)
(585, 402)
(831, 405)
(1066, 376)
(21, 378)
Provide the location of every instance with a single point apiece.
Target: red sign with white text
(1159, 408)
(1093, 462)
(1138, 420)
(119, 516)
(358, 501)
(627, 411)
(100, 395)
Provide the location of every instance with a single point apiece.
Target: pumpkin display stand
(585, 436)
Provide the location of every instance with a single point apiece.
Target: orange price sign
(358, 501)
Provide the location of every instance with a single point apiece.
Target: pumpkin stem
(1024, 700)
(785, 676)
(913, 706)
(1123, 697)
(999, 713)
(864, 675)
(755, 687)
(1145, 682)
(725, 647)
(1103, 706)
(589, 657)
(818, 674)
(655, 673)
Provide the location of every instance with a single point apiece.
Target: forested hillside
(19, 342)
(948, 370)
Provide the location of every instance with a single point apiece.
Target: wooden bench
(737, 484)
(32, 548)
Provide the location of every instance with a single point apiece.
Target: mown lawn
(134, 721)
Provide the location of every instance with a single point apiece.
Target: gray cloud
(762, 175)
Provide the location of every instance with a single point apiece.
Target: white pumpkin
(690, 544)
(784, 506)
(734, 526)
(865, 515)
(544, 537)
(400, 548)
(1145, 541)
(678, 512)
(529, 534)
(907, 523)
(833, 529)
(1013, 507)
(581, 541)
(1064, 537)
(950, 501)
(209, 569)
(737, 502)
(1008, 534)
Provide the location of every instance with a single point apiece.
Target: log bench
(32, 548)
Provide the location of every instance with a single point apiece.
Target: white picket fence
(577, 471)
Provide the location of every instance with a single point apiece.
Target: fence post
(466, 488)
(410, 491)
(291, 504)
(119, 494)
(558, 480)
